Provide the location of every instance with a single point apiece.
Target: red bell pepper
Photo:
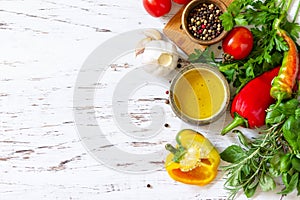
(249, 106)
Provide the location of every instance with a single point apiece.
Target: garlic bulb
(159, 57)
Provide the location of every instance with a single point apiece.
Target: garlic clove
(140, 47)
(153, 34)
(165, 59)
(155, 70)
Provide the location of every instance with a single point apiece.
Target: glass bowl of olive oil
(199, 94)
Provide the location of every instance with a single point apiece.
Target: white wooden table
(45, 45)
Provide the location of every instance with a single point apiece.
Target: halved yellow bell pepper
(194, 160)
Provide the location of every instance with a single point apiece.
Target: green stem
(177, 152)
(279, 98)
(277, 21)
(288, 6)
(296, 14)
(172, 149)
(237, 121)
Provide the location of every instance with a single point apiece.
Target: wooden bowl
(184, 20)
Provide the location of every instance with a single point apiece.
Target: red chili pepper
(249, 106)
(283, 84)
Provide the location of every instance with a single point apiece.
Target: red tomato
(182, 1)
(238, 43)
(157, 8)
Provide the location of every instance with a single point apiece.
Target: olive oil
(199, 93)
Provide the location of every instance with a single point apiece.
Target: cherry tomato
(157, 8)
(182, 1)
(238, 43)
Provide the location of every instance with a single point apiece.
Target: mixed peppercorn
(204, 23)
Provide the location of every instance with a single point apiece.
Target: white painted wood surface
(44, 43)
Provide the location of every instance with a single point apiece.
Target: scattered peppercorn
(167, 101)
(227, 58)
(166, 125)
(148, 185)
(178, 65)
(204, 23)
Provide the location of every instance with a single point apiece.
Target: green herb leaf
(296, 163)
(250, 72)
(240, 20)
(267, 183)
(275, 164)
(293, 29)
(298, 188)
(288, 108)
(242, 138)
(235, 7)
(274, 116)
(246, 171)
(291, 185)
(291, 132)
(286, 179)
(281, 45)
(253, 184)
(279, 114)
(227, 21)
(276, 58)
(274, 172)
(233, 181)
(229, 70)
(233, 154)
(205, 56)
(250, 191)
(285, 163)
(297, 113)
(194, 56)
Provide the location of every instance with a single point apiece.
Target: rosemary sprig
(251, 163)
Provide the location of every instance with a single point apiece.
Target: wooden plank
(173, 30)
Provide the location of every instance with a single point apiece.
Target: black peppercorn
(205, 17)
